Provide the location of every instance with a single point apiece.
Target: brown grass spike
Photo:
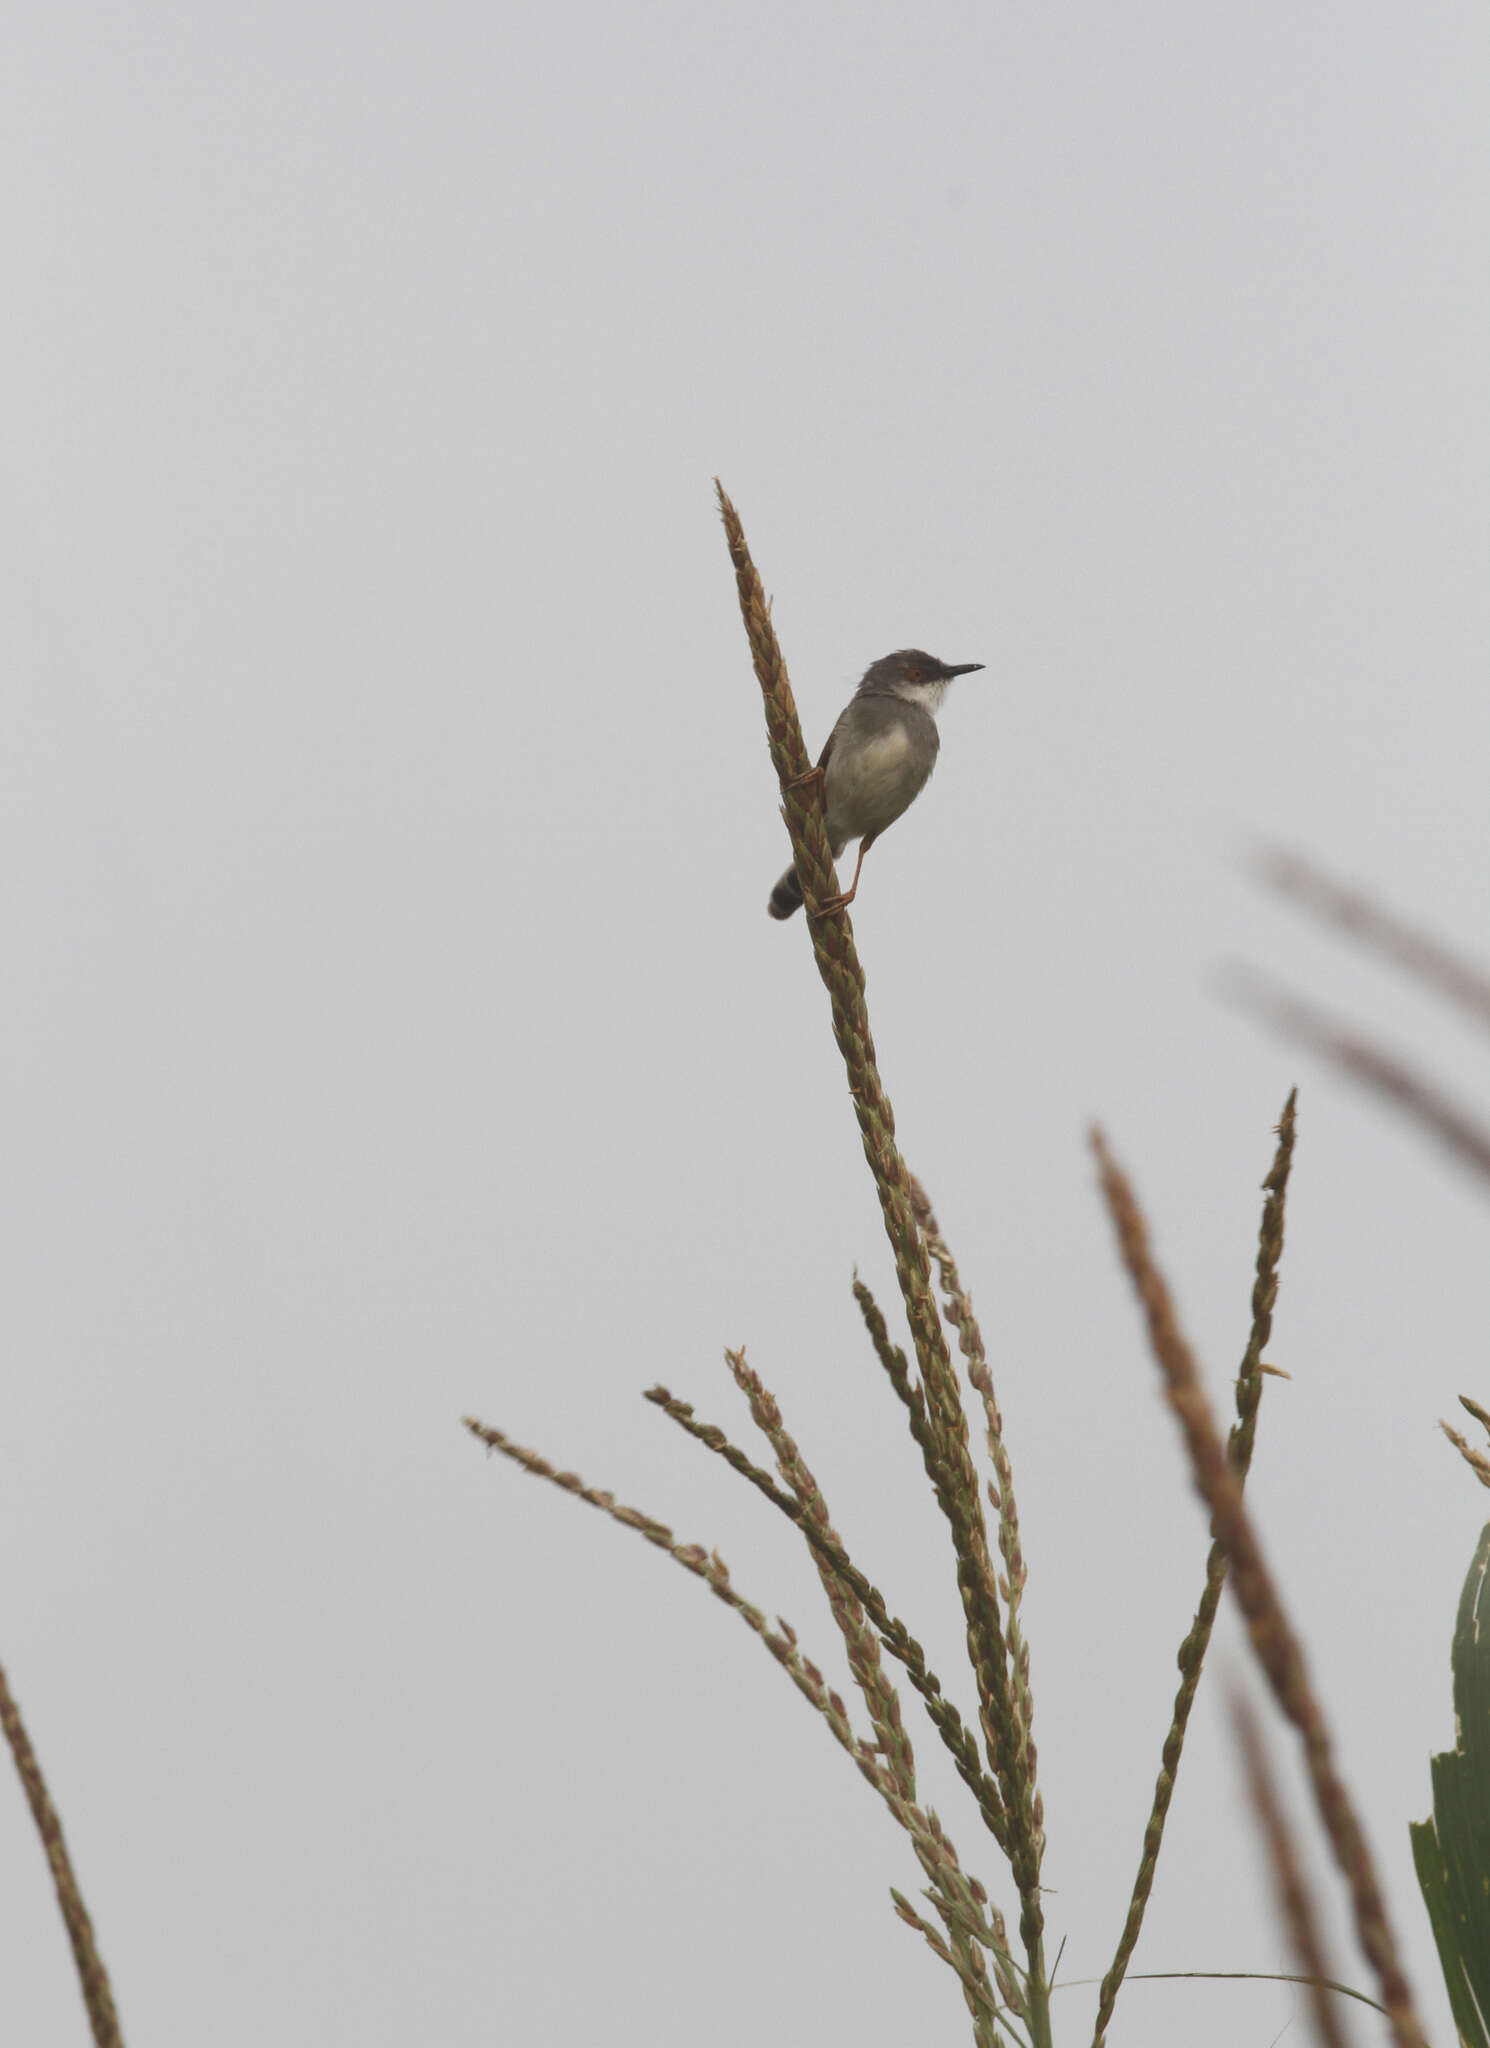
(934, 1852)
(893, 1632)
(951, 1468)
(98, 1997)
(1291, 1884)
(959, 1309)
(1274, 1642)
(1197, 1641)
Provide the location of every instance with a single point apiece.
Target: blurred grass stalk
(1295, 1896)
(1274, 1641)
(1389, 1076)
(93, 1978)
(1451, 1849)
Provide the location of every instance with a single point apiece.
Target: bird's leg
(832, 903)
(811, 778)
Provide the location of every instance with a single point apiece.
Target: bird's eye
(916, 675)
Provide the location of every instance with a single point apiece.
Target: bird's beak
(964, 668)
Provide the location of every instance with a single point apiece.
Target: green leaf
(1452, 1850)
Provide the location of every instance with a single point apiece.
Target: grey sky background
(393, 1029)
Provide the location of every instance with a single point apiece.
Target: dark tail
(786, 896)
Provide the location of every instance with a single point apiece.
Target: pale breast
(872, 780)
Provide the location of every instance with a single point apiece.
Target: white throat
(928, 695)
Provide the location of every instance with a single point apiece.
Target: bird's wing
(840, 723)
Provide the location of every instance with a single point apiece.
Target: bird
(877, 760)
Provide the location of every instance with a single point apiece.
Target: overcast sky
(392, 1027)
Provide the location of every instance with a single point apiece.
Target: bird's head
(918, 677)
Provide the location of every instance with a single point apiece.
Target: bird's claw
(809, 778)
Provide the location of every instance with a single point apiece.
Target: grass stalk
(945, 1448)
(98, 1996)
(1295, 1897)
(1274, 1641)
(893, 1633)
(1385, 1074)
(1371, 924)
(951, 1889)
(1197, 1641)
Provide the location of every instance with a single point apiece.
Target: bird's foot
(831, 905)
(811, 778)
